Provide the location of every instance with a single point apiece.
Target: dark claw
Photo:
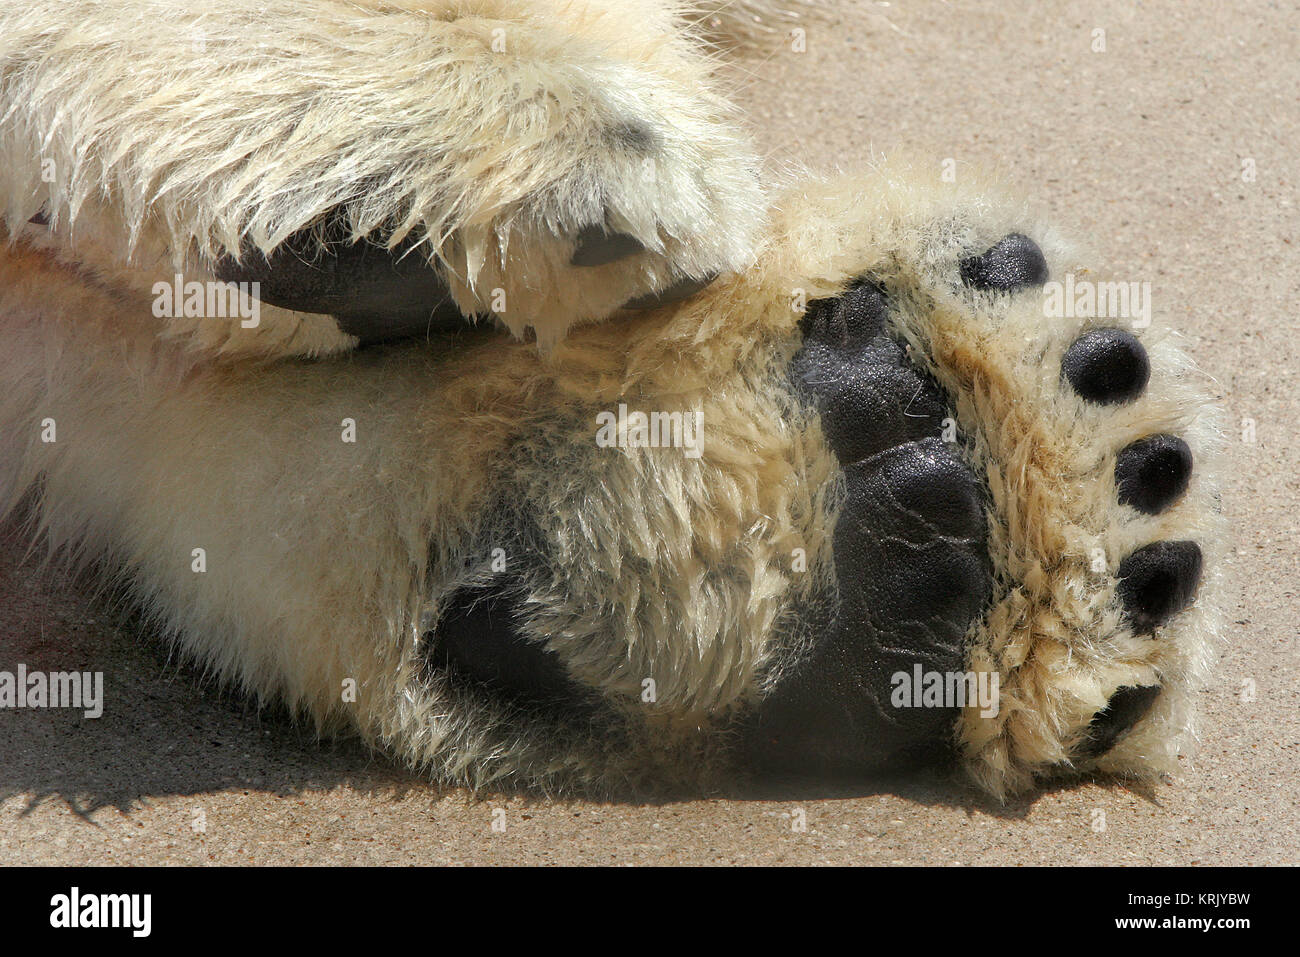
(681, 289)
(1107, 366)
(1157, 581)
(1153, 473)
(596, 247)
(1126, 707)
(1013, 262)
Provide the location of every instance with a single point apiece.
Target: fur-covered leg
(803, 522)
(288, 531)
(380, 168)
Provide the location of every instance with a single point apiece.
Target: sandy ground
(1141, 147)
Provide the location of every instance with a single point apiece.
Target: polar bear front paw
(380, 171)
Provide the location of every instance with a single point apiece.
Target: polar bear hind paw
(921, 581)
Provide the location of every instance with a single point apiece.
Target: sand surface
(1141, 148)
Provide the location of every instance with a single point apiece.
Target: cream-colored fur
(158, 136)
(325, 561)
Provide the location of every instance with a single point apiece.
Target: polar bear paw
(931, 511)
(1020, 541)
(1007, 535)
(547, 164)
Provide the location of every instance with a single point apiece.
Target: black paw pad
(910, 553)
(1013, 262)
(1153, 473)
(913, 571)
(870, 395)
(1126, 707)
(928, 574)
(374, 293)
(1157, 581)
(1107, 366)
(596, 247)
(852, 320)
(478, 640)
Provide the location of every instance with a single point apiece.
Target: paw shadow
(938, 786)
(167, 729)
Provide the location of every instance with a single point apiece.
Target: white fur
(327, 560)
(158, 136)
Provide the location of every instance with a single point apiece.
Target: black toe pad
(1126, 707)
(1157, 581)
(1013, 262)
(870, 395)
(1107, 366)
(1153, 473)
